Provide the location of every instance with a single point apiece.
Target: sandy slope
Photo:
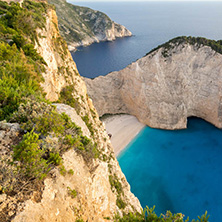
(123, 129)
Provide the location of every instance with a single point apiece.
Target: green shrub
(30, 51)
(72, 141)
(90, 150)
(55, 159)
(19, 40)
(50, 123)
(3, 7)
(29, 154)
(115, 184)
(29, 111)
(7, 52)
(72, 192)
(62, 170)
(88, 124)
(203, 218)
(66, 96)
(45, 120)
(149, 215)
(25, 20)
(70, 172)
(79, 220)
(42, 116)
(71, 125)
(18, 80)
(120, 203)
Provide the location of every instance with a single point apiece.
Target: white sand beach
(123, 128)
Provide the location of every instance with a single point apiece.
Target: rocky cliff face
(95, 200)
(60, 70)
(81, 26)
(165, 87)
(97, 196)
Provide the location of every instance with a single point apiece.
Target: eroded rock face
(95, 199)
(60, 70)
(163, 91)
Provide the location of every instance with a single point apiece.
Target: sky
(143, 0)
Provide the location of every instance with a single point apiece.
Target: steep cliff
(81, 26)
(179, 79)
(88, 183)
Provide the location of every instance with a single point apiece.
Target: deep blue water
(178, 170)
(152, 24)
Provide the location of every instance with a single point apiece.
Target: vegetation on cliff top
(196, 41)
(78, 23)
(149, 215)
(20, 64)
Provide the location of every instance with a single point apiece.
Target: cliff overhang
(178, 79)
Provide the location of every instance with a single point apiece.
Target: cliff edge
(82, 26)
(179, 79)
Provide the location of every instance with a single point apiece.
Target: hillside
(178, 79)
(57, 162)
(81, 26)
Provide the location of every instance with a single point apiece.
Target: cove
(180, 170)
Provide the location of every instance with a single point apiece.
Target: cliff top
(83, 25)
(198, 41)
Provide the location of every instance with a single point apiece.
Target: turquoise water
(179, 170)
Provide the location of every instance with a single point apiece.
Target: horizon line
(79, 1)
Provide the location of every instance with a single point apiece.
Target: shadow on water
(159, 195)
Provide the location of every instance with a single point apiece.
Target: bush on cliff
(149, 215)
(18, 79)
(29, 155)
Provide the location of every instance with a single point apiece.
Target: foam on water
(177, 170)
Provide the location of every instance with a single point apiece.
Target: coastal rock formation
(97, 196)
(180, 79)
(82, 26)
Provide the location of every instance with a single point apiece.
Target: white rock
(162, 92)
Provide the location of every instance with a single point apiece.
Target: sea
(152, 24)
(177, 170)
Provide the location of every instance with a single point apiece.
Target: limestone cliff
(81, 26)
(97, 196)
(180, 79)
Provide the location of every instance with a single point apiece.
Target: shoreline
(123, 128)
